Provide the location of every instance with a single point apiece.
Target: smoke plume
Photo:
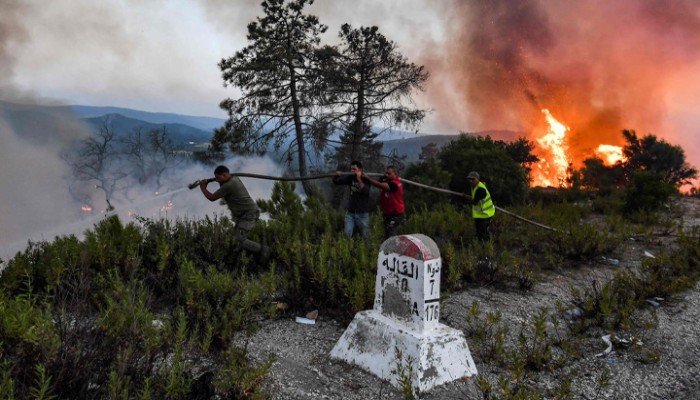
(598, 66)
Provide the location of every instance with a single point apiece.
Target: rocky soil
(304, 370)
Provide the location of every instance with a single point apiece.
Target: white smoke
(173, 202)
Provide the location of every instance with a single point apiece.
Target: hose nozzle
(198, 181)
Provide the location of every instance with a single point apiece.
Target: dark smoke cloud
(599, 66)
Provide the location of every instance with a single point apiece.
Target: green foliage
(535, 349)
(585, 241)
(405, 375)
(218, 304)
(428, 173)
(70, 303)
(125, 313)
(506, 179)
(358, 95)
(647, 193)
(238, 379)
(166, 295)
(176, 380)
(658, 158)
(489, 332)
(595, 174)
(612, 305)
(283, 202)
(278, 80)
(42, 389)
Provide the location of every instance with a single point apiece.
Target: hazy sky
(162, 55)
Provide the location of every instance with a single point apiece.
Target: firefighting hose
(420, 185)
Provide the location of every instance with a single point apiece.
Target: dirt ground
(304, 370)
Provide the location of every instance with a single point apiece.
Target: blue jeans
(360, 220)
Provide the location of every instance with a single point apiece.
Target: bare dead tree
(161, 155)
(150, 155)
(134, 149)
(96, 160)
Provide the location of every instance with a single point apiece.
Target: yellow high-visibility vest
(485, 207)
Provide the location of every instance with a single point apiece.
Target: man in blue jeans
(359, 204)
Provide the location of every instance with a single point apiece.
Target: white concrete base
(438, 355)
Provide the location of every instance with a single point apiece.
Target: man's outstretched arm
(374, 182)
(209, 195)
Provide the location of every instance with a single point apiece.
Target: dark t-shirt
(359, 198)
(236, 197)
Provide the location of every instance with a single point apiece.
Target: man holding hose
(391, 200)
(483, 208)
(244, 212)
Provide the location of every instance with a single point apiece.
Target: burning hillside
(554, 153)
(573, 74)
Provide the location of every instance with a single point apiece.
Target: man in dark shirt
(357, 215)
(244, 212)
(391, 200)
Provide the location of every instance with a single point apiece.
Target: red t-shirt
(391, 200)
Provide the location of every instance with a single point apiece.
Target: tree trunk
(359, 119)
(301, 151)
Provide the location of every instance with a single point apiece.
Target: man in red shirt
(391, 199)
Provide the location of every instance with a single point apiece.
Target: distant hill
(35, 121)
(411, 147)
(41, 124)
(202, 123)
(180, 134)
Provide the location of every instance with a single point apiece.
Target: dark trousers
(391, 224)
(483, 229)
(244, 224)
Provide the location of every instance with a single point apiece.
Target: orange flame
(554, 148)
(168, 206)
(86, 208)
(610, 154)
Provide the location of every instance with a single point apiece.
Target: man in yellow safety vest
(483, 208)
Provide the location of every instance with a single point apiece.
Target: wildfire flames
(551, 170)
(554, 155)
(611, 155)
(86, 208)
(168, 206)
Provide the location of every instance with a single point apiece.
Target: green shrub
(239, 379)
(647, 193)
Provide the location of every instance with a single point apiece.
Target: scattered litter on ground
(648, 254)
(610, 261)
(305, 321)
(280, 306)
(156, 323)
(607, 351)
(623, 343)
(312, 314)
(655, 301)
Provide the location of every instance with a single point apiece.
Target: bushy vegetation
(651, 172)
(613, 304)
(131, 311)
(503, 166)
(156, 308)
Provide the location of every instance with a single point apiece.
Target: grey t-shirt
(236, 196)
